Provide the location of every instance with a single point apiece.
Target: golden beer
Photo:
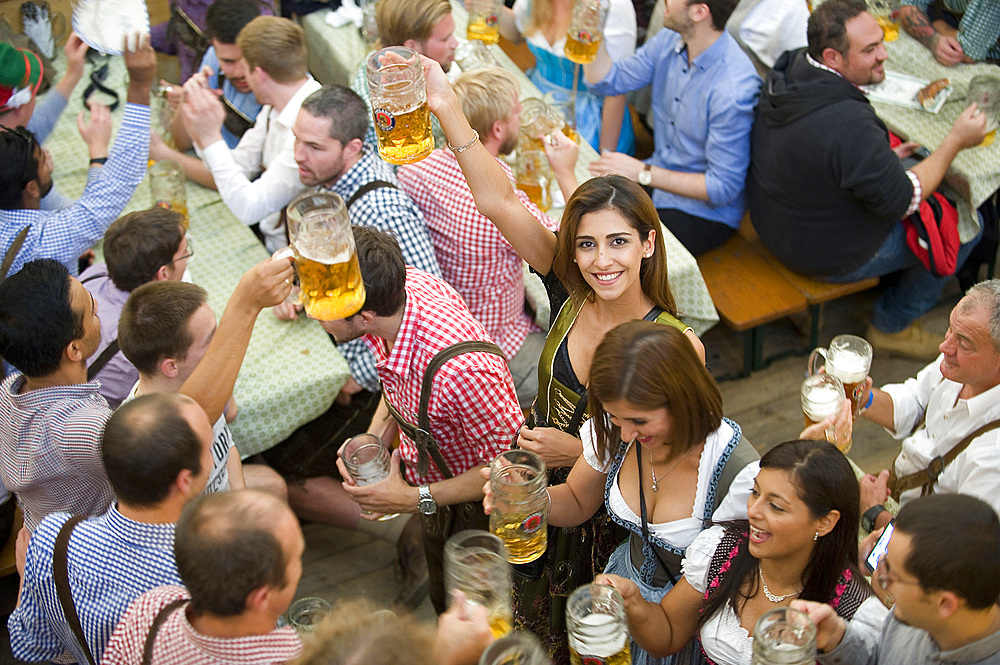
(525, 536)
(483, 28)
(988, 140)
(890, 30)
(180, 207)
(596, 627)
(537, 193)
(501, 623)
(623, 657)
(571, 133)
(582, 47)
(330, 290)
(404, 138)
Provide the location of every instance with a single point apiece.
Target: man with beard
(827, 193)
(474, 256)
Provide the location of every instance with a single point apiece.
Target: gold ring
(829, 432)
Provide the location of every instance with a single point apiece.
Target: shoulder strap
(161, 616)
(11, 253)
(60, 574)
(421, 433)
(927, 477)
(742, 454)
(367, 187)
(106, 355)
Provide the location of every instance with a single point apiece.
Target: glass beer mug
(784, 636)
(166, 184)
(598, 630)
(325, 259)
(399, 105)
(533, 175)
(484, 20)
(520, 504)
(822, 396)
(586, 29)
(849, 358)
(538, 119)
(475, 563)
(985, 92)
(518, 648)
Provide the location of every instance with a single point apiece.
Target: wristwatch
(868, 519)
(426, 503)
(645, 176)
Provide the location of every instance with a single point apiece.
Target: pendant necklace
(652, 471)
(770, 596)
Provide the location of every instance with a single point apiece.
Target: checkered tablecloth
(292, 371)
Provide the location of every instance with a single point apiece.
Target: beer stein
(586, 29)
(369, 24)
(520, 504)
(166, 184)
(598, 631)
(484, 20)
(822, 396)
(849, 358)
(325, 259)
(518, 648)
(367, 460)
(475, 563)
(473, 54)
(533, 175)
(307, 613)
(784, 636)
(564, 108)
(399, 105)
(538, 119)
(985, 92)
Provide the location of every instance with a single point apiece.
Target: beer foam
(317, 248)
(603, 646)
(821, 401)
(848, 367)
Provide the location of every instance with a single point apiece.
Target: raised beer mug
(484, 20)
(518, 648)
(538, 119)
(597, 628)
(822, 396)
(325, 258)
(784, 636)
(985, 92)
(166, 185)
(399, 105)
(520, 504)
(586, 30)
(849, 358)
(475, 563)
(533, 176)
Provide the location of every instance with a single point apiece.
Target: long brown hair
(653, 366)
(628, 199)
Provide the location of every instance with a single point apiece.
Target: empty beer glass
(518, 648)
(367, 460)
(484, 20)
(985, 92)
(784, 636)
(586, 29)
(166, 184)
(598, 630)
(369, 24)
(520, 504)
(473, 54)
(822, 396)
(849, 358)
(533, 176)
(399, 105)
(307, 613)
(475, 563)
(325, 259)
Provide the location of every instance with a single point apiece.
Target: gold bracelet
(462, 148)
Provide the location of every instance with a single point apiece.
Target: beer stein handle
(59, 27)
(812, 367)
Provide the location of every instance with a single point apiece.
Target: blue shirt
(65, 234)
(244, 102)
(386, 209)
(702, 116)
(112, 560)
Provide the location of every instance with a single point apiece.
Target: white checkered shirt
(474, 256)
(178, 642)
(50, 448)
(65, 234)
(473, 407)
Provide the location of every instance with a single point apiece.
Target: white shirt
(723, 637)
(773, 27)
(976, 471)
(266, 150)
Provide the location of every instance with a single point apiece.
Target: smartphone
(880, 547)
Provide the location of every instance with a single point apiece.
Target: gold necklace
(652, 471)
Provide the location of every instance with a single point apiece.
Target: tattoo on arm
(918, 25)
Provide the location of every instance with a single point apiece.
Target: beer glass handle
(812, 367)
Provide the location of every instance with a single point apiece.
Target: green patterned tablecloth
(336, 53)
(975, 173)
(292, 372)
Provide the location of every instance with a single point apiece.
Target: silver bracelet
(465, 146)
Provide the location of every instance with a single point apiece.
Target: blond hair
(486, 95)
(539, 18)
(276, 45)
(399, 20)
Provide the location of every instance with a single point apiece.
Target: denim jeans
(917, 290)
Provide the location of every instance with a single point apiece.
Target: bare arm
(508, 26)
(969, 130)
(193, 167)
(235, 468)
(599, 68)
(612, 116)
(689, 185)
(660, 628)
(946, 48)
(576, 500)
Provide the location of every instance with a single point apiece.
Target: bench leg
(758, 348)
(749, 347)
(815, 316)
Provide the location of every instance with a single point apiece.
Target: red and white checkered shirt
(178, 642)
(50, 448)
(473, 255)
(473, 407)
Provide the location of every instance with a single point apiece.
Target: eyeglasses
(190, 248)
(885, 579)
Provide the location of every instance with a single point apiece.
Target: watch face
(427, 506)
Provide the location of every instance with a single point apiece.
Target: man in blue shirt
(706, 89)
(157, 451)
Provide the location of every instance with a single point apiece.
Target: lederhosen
(447, 520)
(236, 121)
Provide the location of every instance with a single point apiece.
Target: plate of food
(910, 91)
(103, 24)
